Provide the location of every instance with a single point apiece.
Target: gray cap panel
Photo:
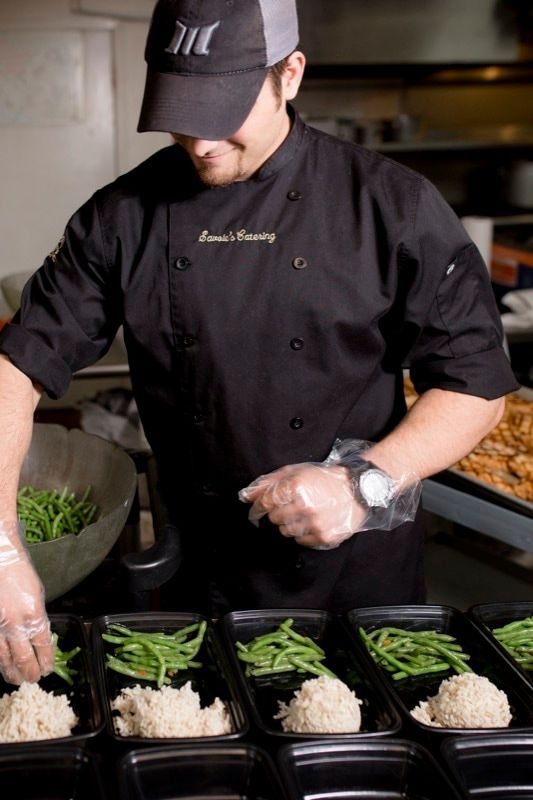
(280, 28)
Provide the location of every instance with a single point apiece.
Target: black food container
(484, 660)
(196, 773)
(388, 769)
(51, 773)
(262, 694)
(495, 615)
(491, 767)
(82, 695)
(213, 679)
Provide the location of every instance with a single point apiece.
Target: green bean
(527, 622)
(133, 672)
(273, 671)
(302, 639)
(49, 515)
(407, 653)
(438, 667)
(272, 638)
(282, 650)
(316, 669)
(61, 659)
(517, 639)
(154, 656)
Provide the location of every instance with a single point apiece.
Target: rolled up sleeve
(70, 308)
(459, 344)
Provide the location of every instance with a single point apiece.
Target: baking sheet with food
(500, 467)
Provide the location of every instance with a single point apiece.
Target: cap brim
(206, 107)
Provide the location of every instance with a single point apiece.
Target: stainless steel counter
(478, 514)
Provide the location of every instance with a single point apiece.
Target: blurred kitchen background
(443, 86)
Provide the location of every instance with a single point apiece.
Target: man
(272, 283)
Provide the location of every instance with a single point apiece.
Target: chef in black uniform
(273, 283)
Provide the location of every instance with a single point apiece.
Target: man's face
(242, 154)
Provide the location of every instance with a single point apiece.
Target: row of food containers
(391, 751)
(488, 767)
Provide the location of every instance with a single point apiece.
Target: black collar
(286, 151)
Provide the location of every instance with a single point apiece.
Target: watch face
(376, 488)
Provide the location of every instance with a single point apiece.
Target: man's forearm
(18, 400)
(440, 429)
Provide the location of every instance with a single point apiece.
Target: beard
(213, 177)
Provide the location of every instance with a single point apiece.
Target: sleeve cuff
(36, 360)
(487, 374)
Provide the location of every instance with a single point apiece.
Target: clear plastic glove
(319, 503)
(311, 502)
(26, 651)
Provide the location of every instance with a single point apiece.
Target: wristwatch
(372, 486)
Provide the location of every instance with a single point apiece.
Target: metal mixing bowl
(57, 458)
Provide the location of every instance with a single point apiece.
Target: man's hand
(26, 651)
(310, 502)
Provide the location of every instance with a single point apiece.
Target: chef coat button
(209, 490)
(296, 423)
(299, 563)
(187, 341)
(198, 418)
(294, 194)
(297, 344)
(299, 263)
(183, 262)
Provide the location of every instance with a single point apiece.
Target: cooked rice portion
(465, 701)
(29, 714)
(322, 705)
(169, 713)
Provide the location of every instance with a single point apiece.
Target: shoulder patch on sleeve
(53, 255)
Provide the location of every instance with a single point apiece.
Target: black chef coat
(262, 321)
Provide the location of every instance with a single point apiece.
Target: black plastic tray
(50, 773)
(83, 695)
(491, 766)
(496, 615)
(214, 679)
(485, 660)
(196, 773)
(391, 769)
(261, 695)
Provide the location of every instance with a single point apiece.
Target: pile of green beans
(48, 515)
(154, 656)
(282, 650)
(405, 653)
(517, 638)
(61, 661)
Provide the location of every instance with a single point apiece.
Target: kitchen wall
(442, 107)
(70, 91)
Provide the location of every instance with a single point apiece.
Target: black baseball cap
(207, 61)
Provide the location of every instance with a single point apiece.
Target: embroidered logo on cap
(188, 40)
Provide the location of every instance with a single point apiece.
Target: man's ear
(293, 74)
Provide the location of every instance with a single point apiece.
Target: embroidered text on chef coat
(237, 236)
